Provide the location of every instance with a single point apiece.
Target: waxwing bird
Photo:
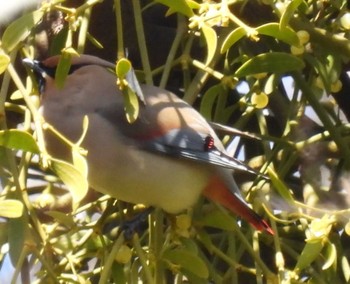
(167, 158)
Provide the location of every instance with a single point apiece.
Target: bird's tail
(218, 191)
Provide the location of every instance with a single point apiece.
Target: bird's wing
(187, 144)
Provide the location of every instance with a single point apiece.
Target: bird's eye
(208, 143)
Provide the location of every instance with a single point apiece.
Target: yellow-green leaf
(80, 162)
(18, 140)
(285, 34)
(211, 39)
(220, 220)
(179, 6)
(4, 62)
(331, 256)
(280, 186)
(18, 234)
(19, 30)
(274, 62)
(193, 4)
(131, 104)
(122, 68)
(11, 208)
(3, 233)
(310, 252)
(232, 38)
(62, 218)
(72, 178)
(208, 101)
(187, 260)
(270, 84)
(289, 12)
(346, 268)
(319, 229)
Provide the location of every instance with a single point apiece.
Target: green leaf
(118, 273)
(310, 252)
(58, 42)
(274, 62)
(205, 239)
(187, 260)
(346, 268)
(319, 229)
(72, 178)
(131, 104)
(331, 256)
(285, 34)
(3, 233)
(280, 186)
(208, 101)
(63, 68)
(18, 234)
(219, 220)
(289, 12)
(232, 38)
(62, 218)
(79, 162)
(211, 40)
(122, 68)
(4, 62)
(193, 4)
(11, 208)
(270, 84)
(179, 6)
(18, 140)
(19, 30)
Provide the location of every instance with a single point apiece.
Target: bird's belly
(150, 179)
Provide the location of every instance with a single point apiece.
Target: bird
(167, 158)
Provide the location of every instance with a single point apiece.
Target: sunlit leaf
(211, 40)
(345, 267)
(319, 229)
(4, 62)
(232, 38)
(208, 101)
(11, 208)
(270, 84)
(286, 34)
(331, 256)
(80, 162)
(188, 261)
(289, 12)
(123, 67)
(347, 228)
(281, 188)
(193, 4)
(72, 178)
(62, 218)
(179, 6)
(19, 30)
(18, 140)
(310, 252)
(275, 62)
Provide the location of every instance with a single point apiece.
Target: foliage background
(271, 68)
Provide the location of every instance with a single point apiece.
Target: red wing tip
(266, 227)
